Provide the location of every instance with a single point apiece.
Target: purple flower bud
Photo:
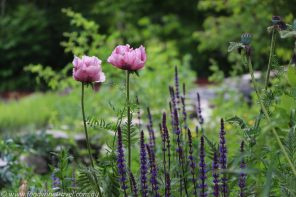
(242, 177)
(177, 87)
(121, 162)
(167, 185)
(198, 110)
(153, 170)
(202, 169)
(55, 182)
(151, 131)
(192, 163)
(167, 138)
(133, 184)
(143, 165)
(215, 175)
(73, 180)
(223, 158)
(184, 108)
(177, 131)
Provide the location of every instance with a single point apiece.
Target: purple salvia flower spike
(55, 182)
(133, 184)
(184, 123)
(173, 98)
(215, 168)
(198, 110)
(143, 165)
(192, 163)
(202, 169)
(184, 107)
(151, 131)
(167, 185)
(196, 130)
(177, 88)
(153, 171)
(184, 112)
(73, 179)
(223, 158)
(121, 162)
(167, 138)
(164, 149)
(149, 117)
(242, 177)
(172, 113)
(177, 131)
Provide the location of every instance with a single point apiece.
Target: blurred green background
(34, 32)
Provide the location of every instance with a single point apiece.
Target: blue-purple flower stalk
(167, 185)
(143, 165)
(198, 110)
(184, 123)
(55, 182)
(167, 138)
(177, 88)
(153, 171)
(192, 163)
(73, 180)
(223, 159)
(215, 168)
(151, 131)
(172, 124)
(164, 149)
(133, 184)
(121, 162)
(177, 131)
(184, 109)
(242, 177)
(202, 169)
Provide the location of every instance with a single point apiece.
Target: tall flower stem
(272, 47)
(128, 119)
(268, 117)
(87, 139)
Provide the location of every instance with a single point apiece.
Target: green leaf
(234, 45)
(291, 75)
(287, 103)
(286, 34)
(237, 120)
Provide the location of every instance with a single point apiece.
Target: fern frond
(100, 124)
(133, 132)
(86, 179)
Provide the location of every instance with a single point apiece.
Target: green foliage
(291, 75)
(218, 75)
(14, 115)
(63, 171)
(46, 75)
(21, 35)
(228, 20)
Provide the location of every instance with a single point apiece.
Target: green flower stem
(87, 139)
(128, 119)
(268, 117)
(272, 47)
